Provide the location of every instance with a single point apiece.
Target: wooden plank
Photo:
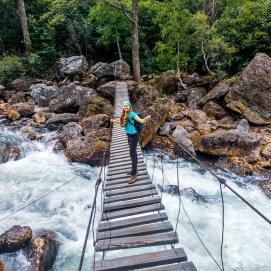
(123, 175)
(133, 211)
(185, 266)
(125, 165)
(122, 149)
(126, 185)
(121, 170)
(124, 162)
(131, 203)
(131, 222)
(138, 241)
(123, 158)
(129, 190)
(125, 180)
(135, 195)
(147, 229)
(144, 260)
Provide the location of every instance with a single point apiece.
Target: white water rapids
(247, 245)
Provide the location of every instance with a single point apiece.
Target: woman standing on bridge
(127, 120)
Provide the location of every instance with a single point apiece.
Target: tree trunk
(24, 25)
(135, 42)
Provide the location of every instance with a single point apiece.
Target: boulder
(215, 110)
(71, 98)
(69, 132)
(230, 143)
(197, 116)
(15, 238)
(86, 149)
(194, 80)
(181, 96)
(194, 96)
(242, 125)
(30, 132)
(95, 121)
(57, 121)
(265, 185)
(24, 84)
(219, 91)
(97, 105)
(18, 97)
(167, 82)
(43, 94)
(116, 70)
(9, 153)
(90, 80)
(251, 94)
(107, 90)
(158, 115)
(165, 129)
(44, 249)
(24, 109)
(69, 66)
(181, 136)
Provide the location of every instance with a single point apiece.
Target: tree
(132, 16)
(24, 24)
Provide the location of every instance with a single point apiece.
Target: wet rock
(158, 115)
(9, 153)
(181, 136)
(142, 96)
(24, 84)
(24, 109)
(70, 66)
(219, 91)
(194, 96)
(2, 266)
(69, 132)
(97, 105)
(58, 147)
(266, 187)
(15, 238)
(243, 125)
(30, 132)
(215, 110)
(167, 82)
(43, 94)
(165, 129)
(57, 121)
(181, 96)
(230, 143)
(251, 94)
(118, 69)
(71, 98)
(86, 149)
(43, 252)
(95, 121)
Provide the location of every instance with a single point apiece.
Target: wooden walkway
(133, 214)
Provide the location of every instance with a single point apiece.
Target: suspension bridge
(133, 215)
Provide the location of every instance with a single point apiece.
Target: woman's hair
(124, 116)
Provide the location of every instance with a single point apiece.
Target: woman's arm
(137, 118)
(117, 121)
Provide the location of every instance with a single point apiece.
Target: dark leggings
(133, 141)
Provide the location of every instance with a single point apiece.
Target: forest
(218, 37)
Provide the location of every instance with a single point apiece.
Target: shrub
(11, 67)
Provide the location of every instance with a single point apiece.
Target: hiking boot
(133, 179)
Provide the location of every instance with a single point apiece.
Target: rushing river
(247, 245)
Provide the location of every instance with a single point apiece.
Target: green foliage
(11, 67)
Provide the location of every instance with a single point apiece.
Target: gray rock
(69, 132)
(165, 129)
(181, 136)
(194, 96)
(243, 125)
(71, 98)
(181, 96)
(219, 91)
(107, 90)
(43, 94)
(70, 66)
(119, 69)
(57, 121)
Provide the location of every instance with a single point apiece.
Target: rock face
(43, 94)
(71, 98)
(118, 69)
(15, 238)
(70, 66)
(219, 91)
(69, 132)
(167, 82)
(43, 252)
(194, 96)
(181, 136)
(251, 95)
(87, 150)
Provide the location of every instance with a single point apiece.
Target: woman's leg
(133, 153)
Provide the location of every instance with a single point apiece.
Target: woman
(127, 119)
